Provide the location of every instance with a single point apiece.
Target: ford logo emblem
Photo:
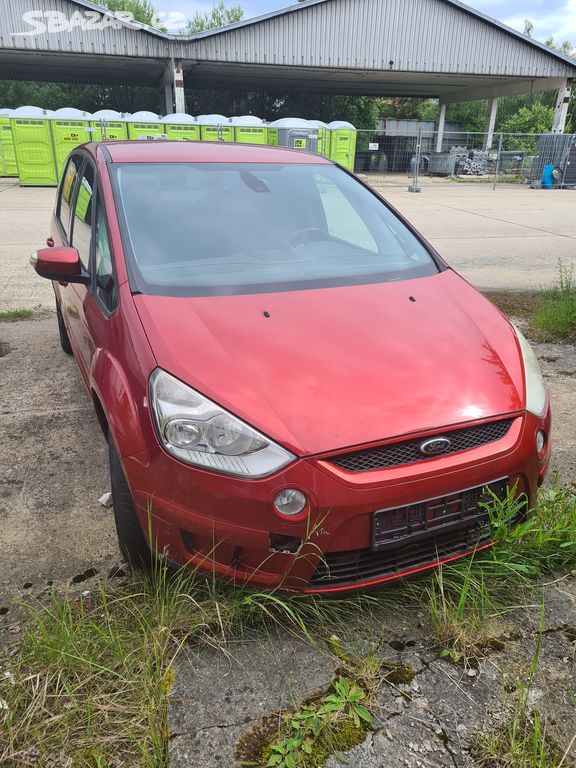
(434, 446)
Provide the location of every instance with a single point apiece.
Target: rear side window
(82, 228)
(67, 191)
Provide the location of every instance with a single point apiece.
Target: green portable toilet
(271, 135)
(342, 143)
(70, 127)
(249, 129)
(323, 137)
(145, 125)
(7, 158)
(33, 147)
(296, 133)
(215, 128)
(181, 126)
(108, 125)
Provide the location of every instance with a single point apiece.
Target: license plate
(430, 517)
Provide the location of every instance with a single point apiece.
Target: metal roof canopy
(426, 48)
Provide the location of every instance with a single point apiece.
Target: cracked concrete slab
(218, 694)
(430, 722)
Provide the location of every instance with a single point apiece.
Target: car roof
(166, 151)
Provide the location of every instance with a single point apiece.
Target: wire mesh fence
(423, 157)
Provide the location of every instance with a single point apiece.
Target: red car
(296, 390)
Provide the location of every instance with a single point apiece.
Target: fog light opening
(286, 545)
(289, 501)
(540, 441)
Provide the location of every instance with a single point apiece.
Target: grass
(551, 313)
(90, 677)
(555, 318)
(16, 314)
(466, 600)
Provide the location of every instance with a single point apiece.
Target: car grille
(408, 451)
(394, 557)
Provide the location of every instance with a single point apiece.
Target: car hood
(339, 367)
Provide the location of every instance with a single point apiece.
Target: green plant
(466, 599)
(304, 727)
(555, 318)
(20, 313)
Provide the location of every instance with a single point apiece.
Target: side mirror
(59, 263)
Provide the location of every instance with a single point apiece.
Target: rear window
(216, 229)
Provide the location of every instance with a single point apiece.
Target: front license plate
(428, 518)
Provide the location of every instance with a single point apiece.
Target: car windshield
(198, 229)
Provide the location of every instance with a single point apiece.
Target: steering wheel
(306, 235)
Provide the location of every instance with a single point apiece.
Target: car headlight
(536, 395)
(199, 432)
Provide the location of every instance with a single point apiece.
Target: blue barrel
(549, 176)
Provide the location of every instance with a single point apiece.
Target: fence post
(497, 166)
(414, 187)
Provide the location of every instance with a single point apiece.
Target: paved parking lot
(510, 238)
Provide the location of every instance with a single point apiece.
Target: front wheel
(131, 539)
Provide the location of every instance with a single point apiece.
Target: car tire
(131, 539)
(63, 333)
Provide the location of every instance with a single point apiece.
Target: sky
(549, 17)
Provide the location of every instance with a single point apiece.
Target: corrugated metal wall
(416, 35)
(123, 41)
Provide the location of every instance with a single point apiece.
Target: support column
(173, 81)
(491, 122)
(561, 111)
(441, 122)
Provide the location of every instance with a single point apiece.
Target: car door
(82, 236)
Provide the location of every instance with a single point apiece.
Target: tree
(219, 16)
(536, 118)
(566, 47)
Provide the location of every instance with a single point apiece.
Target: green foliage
(89, 98)
(303, 728)
(16, 314)
(536, 118)
(555, 318)
(464, 597)
(218, 16)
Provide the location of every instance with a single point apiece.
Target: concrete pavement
(510, 238)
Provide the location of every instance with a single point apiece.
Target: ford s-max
(296, 390)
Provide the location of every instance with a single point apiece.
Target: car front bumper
(230, 526)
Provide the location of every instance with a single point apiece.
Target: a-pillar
(440, 128)
(561, 111)
(173, 81)
(491, 122)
